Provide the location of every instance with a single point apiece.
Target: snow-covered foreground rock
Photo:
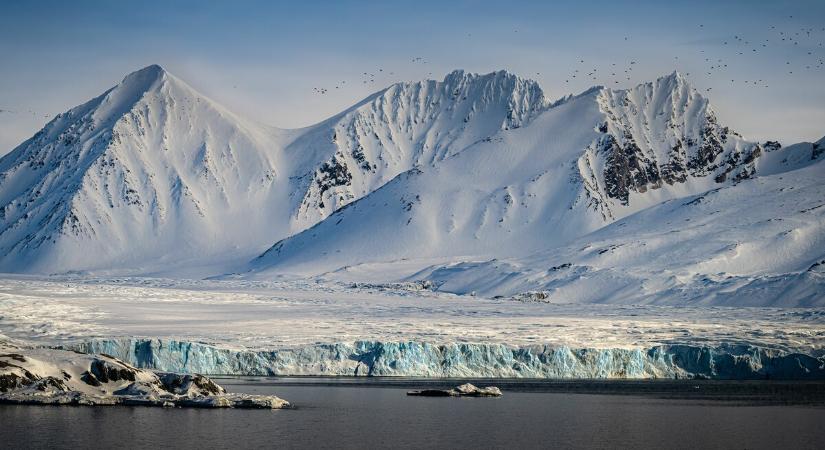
(304, 327)
(61, 377)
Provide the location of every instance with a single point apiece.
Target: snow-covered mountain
(149, 172)
(152, 175)
(660, 134)
(581, 164)
(477, 183)
(404, 126)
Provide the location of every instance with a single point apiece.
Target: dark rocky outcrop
(181, 384)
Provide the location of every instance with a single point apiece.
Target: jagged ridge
(404, 126)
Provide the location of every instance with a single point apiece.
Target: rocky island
(464, 390)
(45, 376)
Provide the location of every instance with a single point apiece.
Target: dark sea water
(357, 413)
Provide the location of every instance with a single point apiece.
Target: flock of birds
(715, 62)
(594, 73)
(728, 52)
(28, 111)
(368, 78)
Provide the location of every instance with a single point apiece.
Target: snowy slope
(581, 164)
(758, 243)
(778, 159)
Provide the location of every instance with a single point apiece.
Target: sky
(269, 60)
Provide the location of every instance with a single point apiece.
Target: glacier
(238, 327)
(466, 360)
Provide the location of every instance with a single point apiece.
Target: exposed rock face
(818, 148)
(12, 373)
(772, 146)
(186, 384)
(105, 371)
(660, 133)
(45, 377)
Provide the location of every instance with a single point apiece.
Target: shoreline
(41, 376)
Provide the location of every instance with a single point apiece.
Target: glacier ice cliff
(416, 359)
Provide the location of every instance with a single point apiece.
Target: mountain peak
(141, 162)
(144, 78)
(674, 80)
(151, 70)
(461, 73)
(675, 75)
(138, 85)
(498, 77)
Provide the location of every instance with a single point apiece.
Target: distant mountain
(581, 164)
(147, 173)
(152, 175)
(477, 183)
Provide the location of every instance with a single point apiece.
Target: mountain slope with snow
(579, 165)
(757, 243)
(404, 126)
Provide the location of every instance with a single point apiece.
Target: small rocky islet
(464, 390)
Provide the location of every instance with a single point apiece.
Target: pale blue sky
(262, 59)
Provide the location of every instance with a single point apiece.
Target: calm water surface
(334, 413)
